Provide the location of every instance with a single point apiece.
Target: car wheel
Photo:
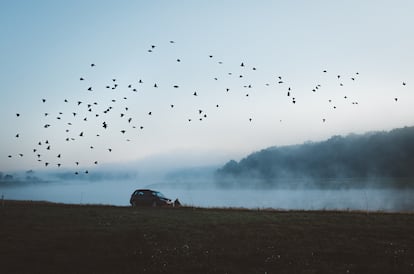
(154, 203)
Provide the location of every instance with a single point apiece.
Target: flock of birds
(94, 113)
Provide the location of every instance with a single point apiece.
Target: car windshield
(158, 194)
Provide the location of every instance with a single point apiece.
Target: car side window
(140, 193)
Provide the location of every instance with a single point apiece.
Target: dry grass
(40, 237)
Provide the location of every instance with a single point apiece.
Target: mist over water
(206, 195)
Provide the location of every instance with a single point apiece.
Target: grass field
(37, 237)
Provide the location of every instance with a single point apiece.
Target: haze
(213, 80)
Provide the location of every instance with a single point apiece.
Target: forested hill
(375, 155)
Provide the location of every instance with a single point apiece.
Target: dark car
(148, 197)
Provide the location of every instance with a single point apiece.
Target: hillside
(377, 158)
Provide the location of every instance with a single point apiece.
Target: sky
(277, 47)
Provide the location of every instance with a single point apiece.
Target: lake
(118, 193)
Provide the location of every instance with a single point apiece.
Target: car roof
(145, 190)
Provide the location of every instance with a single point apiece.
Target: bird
(81, 134)
(155, 85)
(81, 79)
(17, 135)
(242, 64)
(90, 88)
(396, 99)
(123, 131)
(18, 114)
(44, 100)
(110, 149)
(178, 60)
(92, 65)
(176, 86)
(150, 113)
(404, 83)
(195, 93)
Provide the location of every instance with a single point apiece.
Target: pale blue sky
(46, 46)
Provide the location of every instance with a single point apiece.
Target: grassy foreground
(38, 237)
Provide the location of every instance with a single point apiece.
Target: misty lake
(81, 192)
